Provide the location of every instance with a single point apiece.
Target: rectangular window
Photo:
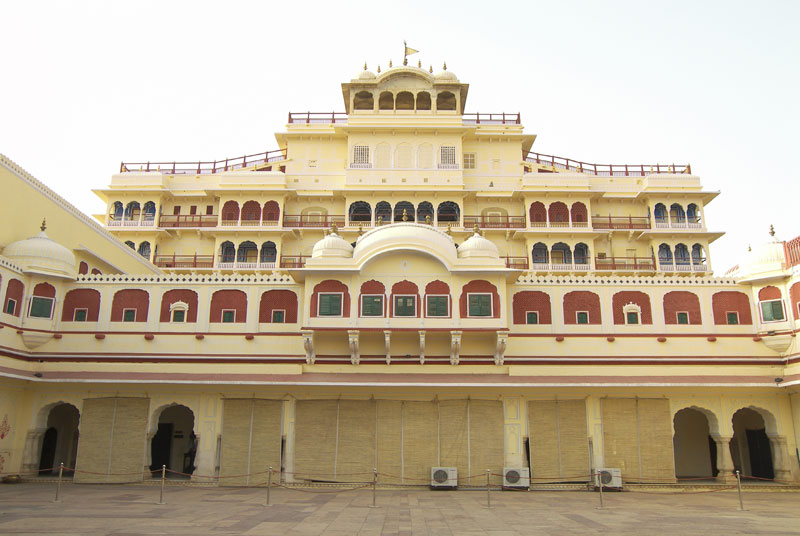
(360, 154)
(582, 317)
(11, 306)
(312, 163)
(733, 318)
(228, 316)
(438, 305)
(41, 307)
(632, 318)
(480, 305)
(176, 211)
(193, 210)
(79, 315)
(447, 156)
(371, 305)
(178, 315)
(683, 318)
(278, 316)
(469, 160)
(129, 315)
(209, 210)
(405, 306)
(772, 311)
(330, 305)
(532, 317)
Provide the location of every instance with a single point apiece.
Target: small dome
(477, 246)
(332, 245)
(41, 255)
(366, 75)
(445, 75)
(767, 257)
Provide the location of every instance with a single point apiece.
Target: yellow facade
(401, 286)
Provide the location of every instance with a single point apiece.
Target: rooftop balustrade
(317, 118)
(204, 167)
(625, 263)
(560, 266)
(184, 261)
(144, 222)
(620, 222)
(606, 170)
(491, 119)
(516, 263)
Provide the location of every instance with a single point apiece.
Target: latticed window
(447, 156)
(469, 160)
(361, 154)
(733, 318)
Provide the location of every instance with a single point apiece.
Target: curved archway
(578, 214)
(269, 252)
(660, 213)
(558, 214)
(271, 213)
(424, 211)
(676, 213)
(538, 214)
(445, 101)
(363, 100)
(386, 101)
(423, 100)
(230, 213)
(448, 211)
(751, 447)
(149, 211)
(581, 253)
(539, 253)
(681, 255)
(132, 211)
(404, 209)
(144, 249)
(246, 252)
(693, 443)
(383, 212)
(116, 210)
(174, 443)
(359, 211)
(664, 254)
(251, 213)
(227, 252)
(404, 101)
(561, 253)
(60, 439)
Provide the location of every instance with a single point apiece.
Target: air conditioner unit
(444, 477)
(608, 478)
(516, 477)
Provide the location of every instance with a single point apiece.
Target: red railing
(188, 220)
(620, 222)
(184, 261)
(317, 118)
(311, 220)
(625, 263)
(495, 222)
(217, 166)
(607, 170)
(491, 119)
(516, 263)
(293, 261)
(792, 251)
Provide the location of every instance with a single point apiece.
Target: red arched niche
(330, 285)
(230, 211)
(578, 212)
(83, 268)
(81, 298)
(558, 212)
(372, 287)
(537, 213)
(405, 287)
(131, 298)
(769, 293)
(189, 297)
(531, 300)
(278, 299)
(272, 211)
(45, 290)
(226, 300)
(251, 211)
(726, 301)
(582, 300)
(479, 286)
(439, 288)
(681, 301)
(14, 291)
(621, 299)
(794, 296)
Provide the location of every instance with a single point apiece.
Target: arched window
(403, 206)
(425, 156)
(81, 305)
(578, 213)
(230, 213)
(692, 215)
(448, 211)
(581, 253)
(383, 156)
(144, 250)
(423, 100)
(698, 254)
(268, 252)
(559, 214)
(363, 100)
(117, 210)
(132, 211)
(149, 211)
(130, 244)
(383, 212)
(681, 254)
(405, 101)
(228, 306)
(538, 214)
(664, 254)
(561, 253)
(179, 305)
(278, 307)
(360, 211)
(404, 156)
(130, 305)
(42, 301)
(539, 253)
(272, 213)
(424, 210)
(228, 252)
(676, 213)
(251, 213)
(660, 213)
(445, 101)
(247, 252)
(386, 101)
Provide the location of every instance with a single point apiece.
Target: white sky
(85, 85)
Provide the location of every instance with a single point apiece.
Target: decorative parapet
(210, 279)
(611, 280)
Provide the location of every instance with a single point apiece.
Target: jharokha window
(330, 305)
(371, 305)
(405, 306)
(437, 305)
(479, 305)
(772, 311)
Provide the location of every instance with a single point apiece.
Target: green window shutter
(683, 318)
(129, 315)
(80, 315)
(278, 317)
(330, 304)
(228, 316)
(437, 306)
(41, 307)
(532, 317)
(633, 318)
(480, 305)
(583, 317)
(404, 305)
(178, 315)
(772, 311)
(733, 319)
(10, 306)
(371, 305)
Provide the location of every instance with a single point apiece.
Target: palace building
(405, 285)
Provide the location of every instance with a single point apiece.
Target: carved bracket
(421, 347)
(387, 342)
(500, 350)
(352, 340)
(308, 344)
(455, 347)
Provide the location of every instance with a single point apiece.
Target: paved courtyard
(132, 510)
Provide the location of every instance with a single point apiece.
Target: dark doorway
(760, 454)
(48, 458)
(712, 449)
(162, 446)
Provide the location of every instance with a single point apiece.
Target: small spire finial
(405, 215)
(405, 61)
(334, 228)
(476, 229)
(44, 224)
(430, 69)
(379, 69)
(449, 228)
(444, 66)
(419, 64)
(365, 65)
(390, 64)
(428, 219)
(360, 229)
(749, 247)
(380, 220)
(771, 230)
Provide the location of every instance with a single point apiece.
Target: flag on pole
(410, 50)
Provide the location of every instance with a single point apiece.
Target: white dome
(762, 259)
(332, 245)
(365, 75)
(406, 236)
(478, 246)
(446, 76)
(41, 255)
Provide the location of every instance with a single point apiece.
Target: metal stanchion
(58, 486)
(739, 486)
(269, 485)
(163, 480)
(374, 486)
(488, 489)
(600, 480)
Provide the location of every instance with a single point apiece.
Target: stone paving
(130, 510)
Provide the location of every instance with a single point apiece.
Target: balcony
(184, 261)
(313, 221)
(516, 263)
(680, 224)
(697, 265)
(447, 166)
(200, 168)
(560, 267)
(133, 222)
(360, 165)
(491, 119)
(559, 225)
(605, 170)
(316, 118)
(249, 223)
(226, 263)
(188, 220)
(294, 261)
(620, 222)
(495, 222)
(632, 264)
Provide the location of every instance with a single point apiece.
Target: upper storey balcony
(549, 164)
(255, 162)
